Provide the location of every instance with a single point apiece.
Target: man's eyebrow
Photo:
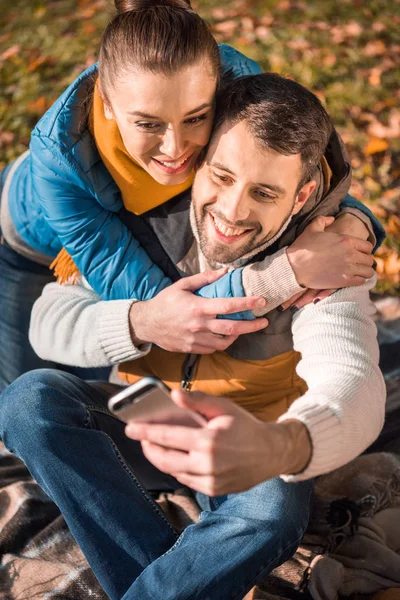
(138, 113)
(268, 186)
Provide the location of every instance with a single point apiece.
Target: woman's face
(164, 120)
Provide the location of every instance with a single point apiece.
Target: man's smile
(224, 233)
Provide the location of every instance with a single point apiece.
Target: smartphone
(149, 401)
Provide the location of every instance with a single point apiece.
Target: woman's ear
(108, 111)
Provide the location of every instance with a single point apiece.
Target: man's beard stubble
(219, 254)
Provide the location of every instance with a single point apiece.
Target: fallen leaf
(10, 52)
(374, 48)
(262, 32)
(393, 225)
(375, 145)
(226, 27)
(6, 138)
(40, 105)
(374, 77)
(389, 131)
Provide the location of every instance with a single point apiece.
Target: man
(251, 466)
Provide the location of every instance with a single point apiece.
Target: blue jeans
(60, 427)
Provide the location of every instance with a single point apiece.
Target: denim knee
(31, 405)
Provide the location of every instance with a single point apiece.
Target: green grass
(346, 51)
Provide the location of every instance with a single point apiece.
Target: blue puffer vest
(61, 195)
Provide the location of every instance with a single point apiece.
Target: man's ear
(303, 195)
(108, 111)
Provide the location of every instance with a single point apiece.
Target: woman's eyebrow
(138, 113)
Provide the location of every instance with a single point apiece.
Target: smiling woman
(124, 136)
(164, 120)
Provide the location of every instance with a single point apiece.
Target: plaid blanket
(40, 559)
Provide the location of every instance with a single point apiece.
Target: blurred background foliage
(346, 51)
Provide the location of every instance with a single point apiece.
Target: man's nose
(234, 204)
(173, 143)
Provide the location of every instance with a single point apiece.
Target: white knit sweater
(343, 408)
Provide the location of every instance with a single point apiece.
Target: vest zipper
(188, 369)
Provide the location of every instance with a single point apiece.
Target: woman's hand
(178, 321)
(328, 255)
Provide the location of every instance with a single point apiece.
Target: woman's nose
(173, 144)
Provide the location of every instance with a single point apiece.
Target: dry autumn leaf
(375, 145)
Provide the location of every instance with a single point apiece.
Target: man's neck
(206, 264)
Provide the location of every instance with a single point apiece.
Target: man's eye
(220, 178)
(264, 196)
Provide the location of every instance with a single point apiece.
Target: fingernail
(294, 308)
(316, 300)
(260, 303)
(132, 430)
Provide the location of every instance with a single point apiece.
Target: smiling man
(284, 404)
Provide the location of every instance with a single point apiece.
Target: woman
(86, 169)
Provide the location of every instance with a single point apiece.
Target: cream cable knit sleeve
(344, 406)
(71, 325)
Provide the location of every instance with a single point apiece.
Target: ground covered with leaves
(346, 51)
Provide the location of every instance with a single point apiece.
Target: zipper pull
(188, 368)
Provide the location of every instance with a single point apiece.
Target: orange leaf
(375, 145)
(39, 106)
(375, 48)
(10, 52)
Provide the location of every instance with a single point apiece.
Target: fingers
(226, 306)
(353, 280)
(292, 300)
(361, 245)
(364, 259)
(195, 282)
(206, 404)
(171, 436)
(235, 328)
(319, 223)
(306, 298)
(168, 460)
(322, 294)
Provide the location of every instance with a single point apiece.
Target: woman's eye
(148, 126)
(194, 120)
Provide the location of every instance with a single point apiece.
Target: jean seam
(149, 500)
(176, 545)
(265, 567)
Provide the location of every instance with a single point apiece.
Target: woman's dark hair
(160, 36)
(281, 115)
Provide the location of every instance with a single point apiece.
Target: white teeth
(228, 231)
(171, 164)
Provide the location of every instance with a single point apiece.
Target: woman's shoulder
(65, 122)
(235, 63)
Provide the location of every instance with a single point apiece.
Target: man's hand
(232, 453)
(178, 321)
(325, 260)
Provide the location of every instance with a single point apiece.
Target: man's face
(243, 194)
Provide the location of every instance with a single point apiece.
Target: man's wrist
(136, 321)
(297, 447)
